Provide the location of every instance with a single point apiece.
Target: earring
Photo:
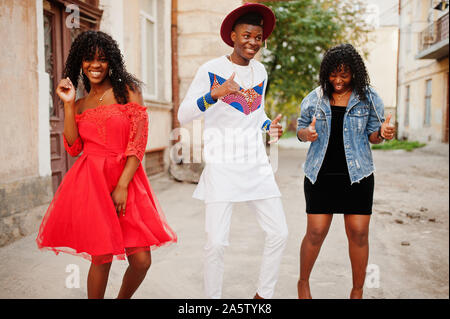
(110, 72)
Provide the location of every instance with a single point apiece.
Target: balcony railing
(432, 40)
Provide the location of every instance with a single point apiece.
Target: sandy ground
(409, 241)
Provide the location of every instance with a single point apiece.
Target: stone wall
(24, 194)
(22, 206)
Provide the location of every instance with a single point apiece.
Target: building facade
(423, 90)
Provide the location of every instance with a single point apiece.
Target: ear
(233, 36)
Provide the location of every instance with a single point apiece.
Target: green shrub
(398, 145)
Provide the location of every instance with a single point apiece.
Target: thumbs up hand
(275, 130)
(311, 132)
(387, 129)
(227, 87)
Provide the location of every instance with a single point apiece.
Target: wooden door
(58, 38)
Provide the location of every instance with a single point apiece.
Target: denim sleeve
(376, 113)
(305, 115)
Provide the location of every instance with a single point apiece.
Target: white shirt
(236, 164)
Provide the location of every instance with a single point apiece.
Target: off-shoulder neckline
(105, 105)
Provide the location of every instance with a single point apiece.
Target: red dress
(81, 218)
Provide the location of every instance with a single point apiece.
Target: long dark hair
(344, 56)
(84, 48)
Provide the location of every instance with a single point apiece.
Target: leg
(316, 231)
(270, 216)
(357, 229)
(97, 278)
(217, 227)
(139, 263)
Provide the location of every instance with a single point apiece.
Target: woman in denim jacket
(340, 118)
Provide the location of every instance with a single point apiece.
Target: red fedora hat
(230, 19)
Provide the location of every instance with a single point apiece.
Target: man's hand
(227, 87)
(275, 130)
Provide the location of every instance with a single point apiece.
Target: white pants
(270, 216)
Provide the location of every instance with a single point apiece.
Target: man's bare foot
(357, 293)
(303, 289)
(257, 296)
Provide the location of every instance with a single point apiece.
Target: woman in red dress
(104, 208)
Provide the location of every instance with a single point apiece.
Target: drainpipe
(175, 75)
(398, 68)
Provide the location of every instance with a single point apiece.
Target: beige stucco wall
(382, 65)
(18, 90)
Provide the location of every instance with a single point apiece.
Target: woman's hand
(119, 197)
(309, 134)
(66, 91)
(387, 129)
(227, 87)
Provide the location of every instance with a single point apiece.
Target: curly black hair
(252, 18)
(84, 48)
(344, 56)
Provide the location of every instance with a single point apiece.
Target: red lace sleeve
(138, 130)
(75, 148)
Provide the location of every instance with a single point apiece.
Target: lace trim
(135, 113)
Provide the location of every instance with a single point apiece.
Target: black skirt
(334, 194)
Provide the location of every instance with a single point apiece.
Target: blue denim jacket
(361, 119)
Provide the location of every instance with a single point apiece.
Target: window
(149, 47)
(49, 59)
(427, 121)
(407, 106)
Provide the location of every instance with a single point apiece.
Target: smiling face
(341, 79)
(96, 68)
(247, 40)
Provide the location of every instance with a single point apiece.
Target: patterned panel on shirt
(250, 103)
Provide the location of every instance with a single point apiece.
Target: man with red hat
(229, 93)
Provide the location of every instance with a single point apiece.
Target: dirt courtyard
(409, 241)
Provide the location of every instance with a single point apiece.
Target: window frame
(144, 17)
